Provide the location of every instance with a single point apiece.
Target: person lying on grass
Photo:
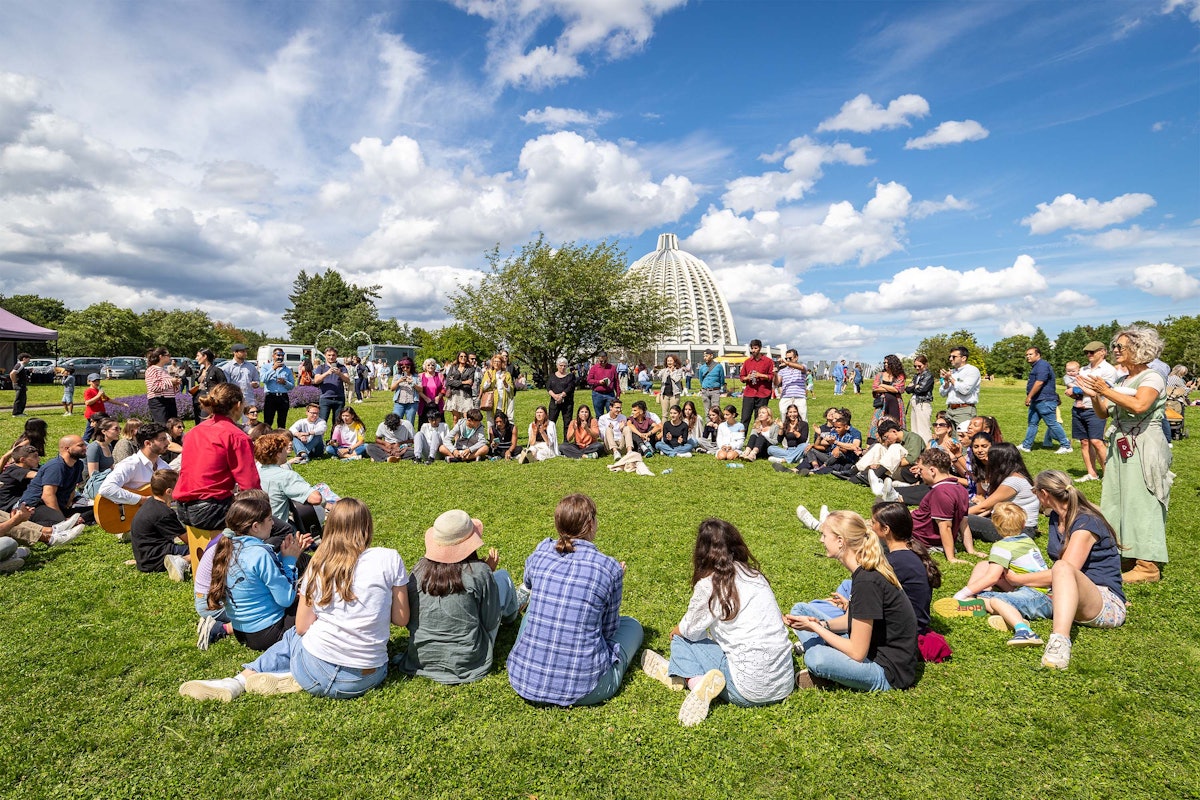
(574, 646)
(351, 595)
(989, 591)
(731, 644)
(457, 603)
(874, 646)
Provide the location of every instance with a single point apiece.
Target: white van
(293, 354)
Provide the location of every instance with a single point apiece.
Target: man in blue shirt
(839, 376)
(51, 493)
(331, 378)
(712, 381)
(278, 380)
(1041, 397)
(243, 373)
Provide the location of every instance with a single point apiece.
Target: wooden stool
(198, 540)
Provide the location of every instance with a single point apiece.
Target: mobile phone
(1124, 446)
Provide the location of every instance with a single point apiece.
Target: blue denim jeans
(790, 455)
(1029, 602)
(331, 406)
(332, 450)
(668, 450)
(313, 448)
(408, 411)
(509, 607)
(203, 610)
(821, 609)
(601, 401)
(832, 664)
(692, 659)
(629, 639)
(317, 677)
(1045, 411)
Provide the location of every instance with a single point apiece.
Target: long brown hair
(574, 518)
(347, 533)
(247, 510)
(438, 579)
(719, 550)
(221, 399)
(897, 519)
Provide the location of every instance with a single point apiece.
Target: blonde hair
(1059, 485)
(1009, 518)
(1144, 343)
(347, 533)
(856, 534)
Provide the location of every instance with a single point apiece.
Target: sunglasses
(941, 425)
(1116, 346)
(251, 411)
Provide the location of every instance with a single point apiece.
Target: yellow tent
(731, 359)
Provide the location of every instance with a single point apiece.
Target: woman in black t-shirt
(874, 646)
(676, 436)
(561, 387)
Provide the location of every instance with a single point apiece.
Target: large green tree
(1006, 358)
(571, 300)
(181, 332)
(44, 311)
(325, 300)
(103, 330)
(1182, 337)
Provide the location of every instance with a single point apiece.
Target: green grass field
(92, 654)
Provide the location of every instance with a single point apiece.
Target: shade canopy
(13, 328)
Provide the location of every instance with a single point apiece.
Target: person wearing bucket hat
(574, 646)
(458, 602)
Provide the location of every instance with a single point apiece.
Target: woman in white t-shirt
(732, 642)
(351, 595)
(1008, 480)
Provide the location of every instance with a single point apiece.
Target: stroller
(1175, 408)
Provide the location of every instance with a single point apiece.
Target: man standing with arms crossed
(758, 373)
(712, 380)
(960, 387)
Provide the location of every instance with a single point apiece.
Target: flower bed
(138, 406)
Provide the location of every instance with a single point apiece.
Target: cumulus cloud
(743, 287)
(1190, 7)
(862, 115)
(1017, 327)
(613, 29)
(802, 163)
(927, 289)
(926, 208)
(1068, 211)
(557, 119)
(1166, 280)
(949, 132)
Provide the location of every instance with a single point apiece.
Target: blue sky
(858, 175)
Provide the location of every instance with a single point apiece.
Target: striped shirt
(159, 383)
(793, 383)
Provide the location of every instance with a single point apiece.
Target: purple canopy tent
(13, 329)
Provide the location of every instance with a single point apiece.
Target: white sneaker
(806, 518)
(272, 683)
(1087, 478)
(1024, 449)
(1062, 451)
(889, 491)
(62, 537)
(223, 689)
(66, 524)
(774, 460)
(876, 484)
(823, 514)
(683, 455)
(178, 568)
(658, 668)
(1057, 654)
(695, 706)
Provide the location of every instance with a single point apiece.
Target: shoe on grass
(62, 537)
(656, 666)
(806, 518)
(1024, 449)
(1087, 478)
(523, 594)
(204, 630)
(890, 494)
(1142, 572)
(178, 568)
(66, 524)
(876, 484)
(996, 622)
(683, 455)
(949, 607)
(781, 466)
(223, 689)
(272, 683)
(1024, 639)
(1057, 654)
(11, 565)
(695, 706)
(823, 514)
(1062, 451)
(806, 680)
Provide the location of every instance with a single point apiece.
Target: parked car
(84, 366)
(124, 368)
(42, 369)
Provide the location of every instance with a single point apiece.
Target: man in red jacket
(757, 374)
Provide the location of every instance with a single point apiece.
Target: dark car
(123, 368)
(84, 366)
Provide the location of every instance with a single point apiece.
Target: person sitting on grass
(642, 430)
(706, 442)
(393, 440)
(127, 444)
(891, 457)
(256, 588)
(351, 595)
(989, 591)
(349, 439)
(574, 646)
(793, 438)
(543, 437)
(582, 436)
(763, 434)
(874, 646)
(939, 517)
(1008, 481)
(502, 442)
(281, 483)
(307, 434)
(51, 493)
(12, 554)
(14, 480)
(731, 644)
(731, 435)
(676, 438)
(612, 424)
(467, 440)
(33, 434)
(155, 528)
(427, 444)
(458, 602)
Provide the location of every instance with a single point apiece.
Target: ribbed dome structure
(704, 316)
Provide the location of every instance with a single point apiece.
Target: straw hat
(453, 537)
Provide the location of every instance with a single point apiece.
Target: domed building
(704, 317)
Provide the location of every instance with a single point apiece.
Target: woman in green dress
(1137, 473)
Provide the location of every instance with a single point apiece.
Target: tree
(937, 348)
(226, 334)
(181, 332)
(103, 330)
(1006, 358)
(450, 341)
(570, 301)
(325, 300)
(1182, 338)
(44, 311)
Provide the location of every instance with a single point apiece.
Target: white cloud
(1192, 7)
(557, 119)
(1159, 126)
(862, 115)
(1166, 280)
(1068, 299)
(802, 169)
(928, 289)
(1017, 327)
(926, 208)
(1068, 211)
(950, 132)
(767, 292)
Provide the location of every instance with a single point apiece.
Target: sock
(241, 679)
(692, 683)
(962, 594)
(1022, 626)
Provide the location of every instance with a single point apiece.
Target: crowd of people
(317, 602)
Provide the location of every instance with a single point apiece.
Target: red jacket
(217, 456)
(758, 387)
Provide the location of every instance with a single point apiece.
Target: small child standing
(988, 591)
(68, 397)
(155, 528)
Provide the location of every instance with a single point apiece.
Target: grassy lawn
(92, 654)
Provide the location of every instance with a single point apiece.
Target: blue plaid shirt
(566, 642)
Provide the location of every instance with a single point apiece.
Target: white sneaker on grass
(806, 518)
(1024, 449)
(890, 494)
(1062, 451)
(272, 683)
(62, 537)
(178, 568)
(774, 460)
(1057, 654)
(823, 514)
(66, 524)
(876, 484)
(658, 668)
(683, 455)
(204, 631)
(223, 689)
(695, 706)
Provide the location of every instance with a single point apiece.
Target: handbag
(487, 399)
(878, 401)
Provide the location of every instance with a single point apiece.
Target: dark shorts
(1086, 425)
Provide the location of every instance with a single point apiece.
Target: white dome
(704, 316)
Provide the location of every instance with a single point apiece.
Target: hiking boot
(656, 666)
(1058, 652)
(695, 706)
(1142, 572)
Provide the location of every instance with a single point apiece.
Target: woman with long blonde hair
(352, 593)
(874, 646)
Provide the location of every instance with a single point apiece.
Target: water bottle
(736, 465)
(667, 471)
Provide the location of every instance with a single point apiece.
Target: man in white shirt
(135, 472)
(960, 387)
(610, 423)
(308, 433)
(1085, 425)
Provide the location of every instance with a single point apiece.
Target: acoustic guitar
(117, 517)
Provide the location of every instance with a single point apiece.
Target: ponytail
(897, 519)
(862, 541)
(220, 570)
(574, 518)
(247, 510)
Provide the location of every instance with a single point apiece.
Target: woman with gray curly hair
(1137, 474)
